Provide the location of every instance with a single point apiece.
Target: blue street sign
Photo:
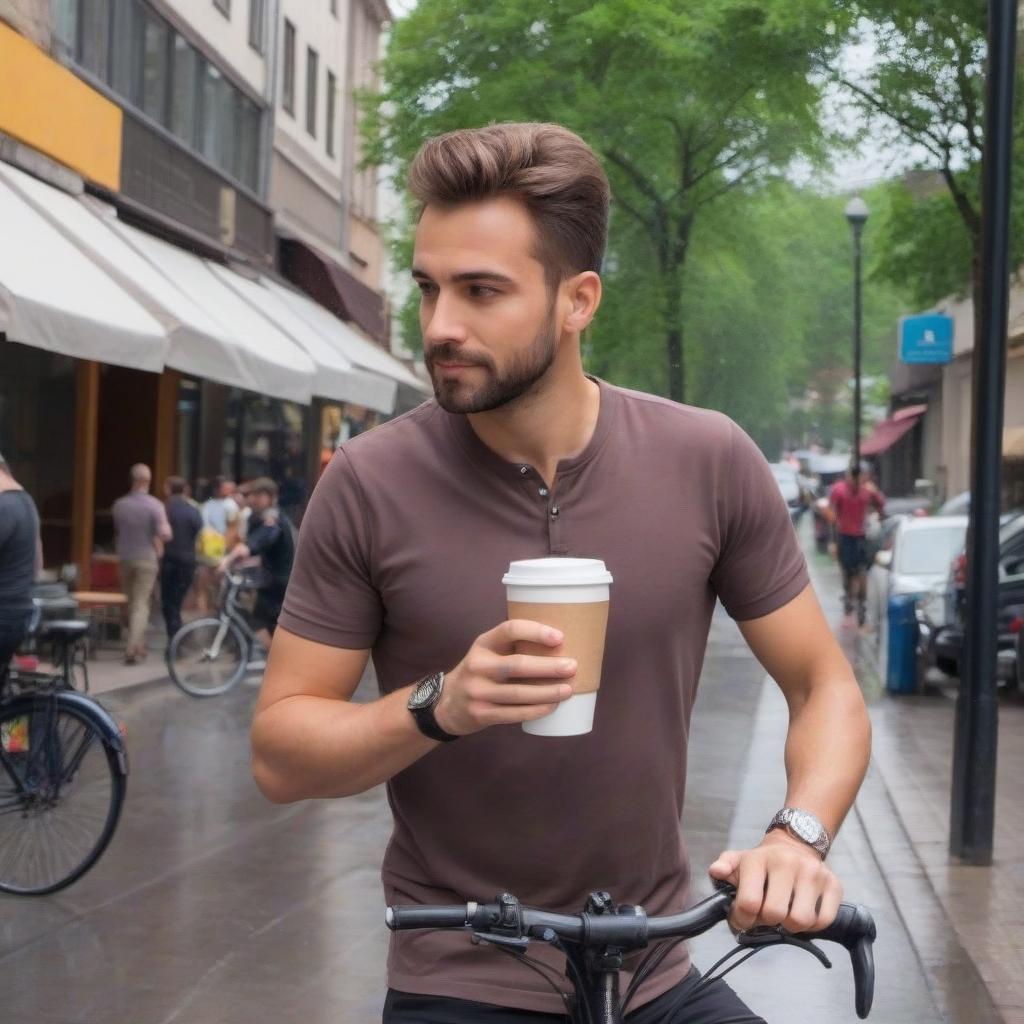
(927, 338)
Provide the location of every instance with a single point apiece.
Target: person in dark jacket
(270, 535)
(178, 565)
(20, 559)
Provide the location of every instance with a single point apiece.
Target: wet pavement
(212, 906)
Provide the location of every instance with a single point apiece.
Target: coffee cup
(571, 595)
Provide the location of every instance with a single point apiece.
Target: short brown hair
(548, 168)
(261, 485)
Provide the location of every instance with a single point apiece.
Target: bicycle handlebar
(629, 928)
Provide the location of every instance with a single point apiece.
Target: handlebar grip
(854, 929)
(398, 918)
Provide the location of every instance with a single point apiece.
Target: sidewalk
(907, 793)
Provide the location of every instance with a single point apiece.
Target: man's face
(489, 321)
(227, 489)
(260, 501)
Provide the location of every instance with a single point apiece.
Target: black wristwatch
(425, 696)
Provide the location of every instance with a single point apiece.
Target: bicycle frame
(228, 614)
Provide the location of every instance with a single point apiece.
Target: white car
(917, 562)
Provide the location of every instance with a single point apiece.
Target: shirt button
(543, 492)
(554, 511)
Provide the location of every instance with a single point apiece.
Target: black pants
(11, 635)
(175, 579)
(717, 1004)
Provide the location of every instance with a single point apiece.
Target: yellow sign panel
(48, 108)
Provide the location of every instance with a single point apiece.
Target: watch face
(805, 825)
(423, 695)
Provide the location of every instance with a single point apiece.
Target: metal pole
(856, 344)
(972, 816)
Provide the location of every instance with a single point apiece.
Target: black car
(948, 645)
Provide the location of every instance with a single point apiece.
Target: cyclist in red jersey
(851, 500)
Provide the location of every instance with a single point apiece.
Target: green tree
(925, 86)
(685, 102)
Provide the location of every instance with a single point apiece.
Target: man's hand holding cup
(493, 685)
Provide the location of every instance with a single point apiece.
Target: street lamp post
(857, 215)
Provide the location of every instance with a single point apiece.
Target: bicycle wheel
(207, 657)
(61, 792)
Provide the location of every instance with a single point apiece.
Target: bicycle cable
(538, 968)
(646, 968)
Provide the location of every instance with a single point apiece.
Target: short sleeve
(760, 565)
(331, 597)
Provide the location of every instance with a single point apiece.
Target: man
(140, 531)
(20, 560)
(178, 566)
(220, 510)
(401, 555)
(269, 535)
(851, 499)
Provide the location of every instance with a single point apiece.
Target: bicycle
(63, 771)
(594, 941)
(209, 656)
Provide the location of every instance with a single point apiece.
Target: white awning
(54, 297)
(336, 377)
(277, 365)
(360, 350)
(197, 343)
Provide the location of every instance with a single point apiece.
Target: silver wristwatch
(804, 826)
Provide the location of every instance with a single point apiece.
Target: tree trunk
(672, 276)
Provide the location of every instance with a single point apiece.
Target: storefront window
(37, 436)
(267, 437)
(188, 428)
(338, 423)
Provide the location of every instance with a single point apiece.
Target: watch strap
(427, 723)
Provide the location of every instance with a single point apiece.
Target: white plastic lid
(557, 572)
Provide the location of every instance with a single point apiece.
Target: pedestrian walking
(140, 532)
(401, 554)
(851, 500)
(21, 558)
(178, 565)
(271, 536)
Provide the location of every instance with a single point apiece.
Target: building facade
(150, 306)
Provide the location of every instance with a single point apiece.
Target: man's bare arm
(829, 738)
(783, 881)
(310, 740)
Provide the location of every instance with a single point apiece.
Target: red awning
(889, 431)
(335, 288)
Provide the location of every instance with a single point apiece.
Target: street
(213, 906)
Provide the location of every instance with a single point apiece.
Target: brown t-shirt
(402, 550)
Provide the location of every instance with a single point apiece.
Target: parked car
(948, 642)
(916, 562)
(793, 494)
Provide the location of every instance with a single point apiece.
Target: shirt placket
(546, 500)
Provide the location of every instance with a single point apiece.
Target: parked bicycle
(209, 656)
(63, 770)
(595, 941)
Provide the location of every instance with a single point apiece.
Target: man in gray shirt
(140, 531)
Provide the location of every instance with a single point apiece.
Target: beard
(500, 387)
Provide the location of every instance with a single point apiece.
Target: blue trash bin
(901, 674)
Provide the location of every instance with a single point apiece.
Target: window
(155, 70)
(94, 38)
(288, 78)
(332, 90)
(249, 144)
(185, 93)
(312, 62)
(224, 6)
(256, 8)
